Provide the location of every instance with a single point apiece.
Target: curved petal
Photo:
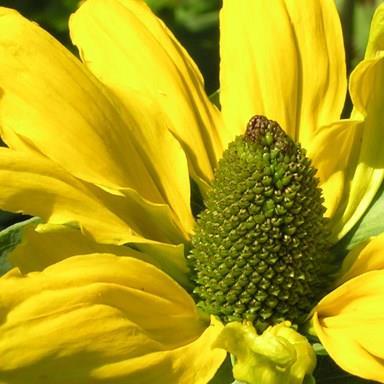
(366, 168)
(355, 168)
(334, 150)
(126, 46)
(349, 323)
(365, 257)
(44, 245)
(375, 44)
(283, 59)
(98, 310)
(202, 362)
(37, 186)
(51, 102)
(163, 157)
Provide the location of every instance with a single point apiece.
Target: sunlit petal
(366, 166)
(126, 46)
(283, 59)
(333, 149)
(349, 323)
(50, 102)
(375, 44)
(99, 311)
(60, 198)
(48, 244)
(365, 257)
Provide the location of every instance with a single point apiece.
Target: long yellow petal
(37, 186)
(163, 157)
(367, 164)
(126, 46)
(334, 151)
(48, 244)
(375, 43)
(94, 318)
(51, 102)
(349, 323)
(49, 99)
(283, 59)
(348, 153)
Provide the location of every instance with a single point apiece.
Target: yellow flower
(107, 146)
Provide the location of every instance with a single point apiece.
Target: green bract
(279, 356)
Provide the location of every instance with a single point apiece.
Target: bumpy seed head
(261, 242)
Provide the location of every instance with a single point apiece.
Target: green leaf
(9, 239)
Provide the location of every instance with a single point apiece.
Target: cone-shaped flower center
(261, 242)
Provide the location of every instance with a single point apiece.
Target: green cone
(261, 242)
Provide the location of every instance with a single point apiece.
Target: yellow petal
(126, 46)
(333, 150)
(50, 99)
(366, 166)
(283, 59)
(163, 157)
(365, 257)
(375, 44)
(51, 102)
(169, 258)
(200, 359)
(94, 318)
(37, 186)
(45, 245)
(348, 153)
(151, 220)
(349, 323)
